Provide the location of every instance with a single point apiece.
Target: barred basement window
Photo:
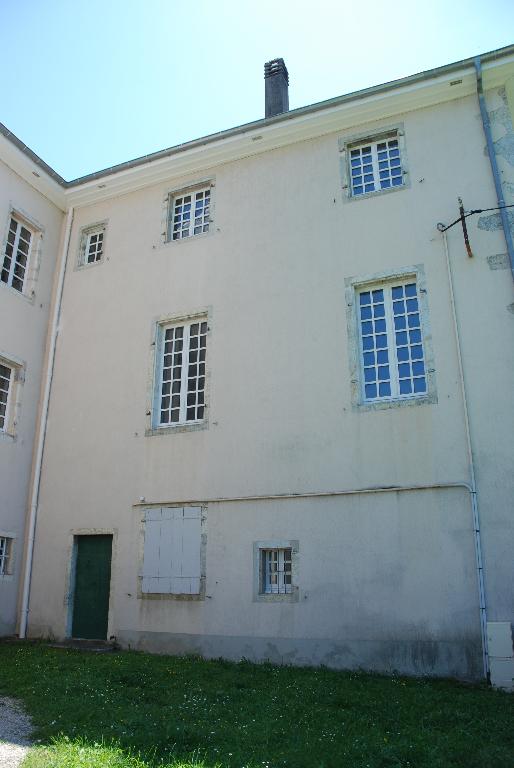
(16, 257)
(6, 386)
(276, 571)
(182, 373)
(391, 343)
(375, 165)
(5, 555)
(189, 214)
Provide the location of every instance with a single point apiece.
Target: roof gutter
(418, 78)
(294, 113)
(4, 131)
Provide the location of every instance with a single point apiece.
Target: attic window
(92, 244)
(189, 213)
(375, 166)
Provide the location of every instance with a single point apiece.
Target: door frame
(71, 568)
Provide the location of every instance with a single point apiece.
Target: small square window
(275, 571)
(189, 213)
(94, 247)
(181, 373)
(375, 166)
(92, 244)
(17, 252)
(5, 555)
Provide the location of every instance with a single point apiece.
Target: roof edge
(429, 74)
(18, 143)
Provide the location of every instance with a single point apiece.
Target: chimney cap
(276, 67)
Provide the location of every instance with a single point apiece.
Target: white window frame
(6, 555)
(21, 223)
(346, 144)
(388, 279)
(172, 201)
(263, 592)
(99, 228)
(392, 349)
(154, 425)
(276, 571)
(13, 402)
(5, 419)
(93, 249)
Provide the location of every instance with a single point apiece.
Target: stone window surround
(36, 247)
(13, 414)
(286, 597)
(417, 272)
(11, 560)
(167, 209)
(345, 143)
(153, 378)
(98, 226)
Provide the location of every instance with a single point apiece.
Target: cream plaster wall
(381, 574)
(23, 330)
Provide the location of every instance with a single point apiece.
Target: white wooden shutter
(191, 541)
(151, 557)
(171, 561)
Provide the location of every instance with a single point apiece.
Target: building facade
(31, 219)
(276, 418)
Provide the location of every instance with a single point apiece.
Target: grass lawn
(132, 710)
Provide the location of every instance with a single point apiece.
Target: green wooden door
(92, 584)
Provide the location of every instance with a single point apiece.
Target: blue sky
(90, 84)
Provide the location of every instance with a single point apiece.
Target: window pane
(396, 320)
(406, 314)
(371, 390)
(187, 401)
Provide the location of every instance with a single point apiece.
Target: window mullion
(192, 212)
(14, 258)
(183, 378)
(391, 341)
(9, 400)
(374, 162)
(361, 348)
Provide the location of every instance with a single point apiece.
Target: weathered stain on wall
(498, 261)
(503, 140)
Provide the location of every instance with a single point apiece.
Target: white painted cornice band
(381, 102)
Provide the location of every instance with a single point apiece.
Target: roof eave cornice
(20, 159)
(340, 114)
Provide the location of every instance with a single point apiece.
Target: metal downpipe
(471, 463)
(34, 495)
(494, 165)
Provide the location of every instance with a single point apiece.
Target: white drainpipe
(471, 463)
(34, 494)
